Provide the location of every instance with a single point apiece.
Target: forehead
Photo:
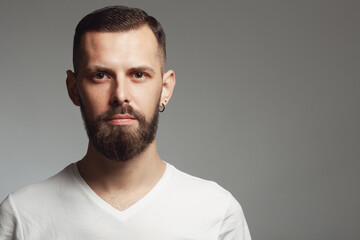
(138, 46)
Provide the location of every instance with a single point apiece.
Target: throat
(122, 201)
(123, 189)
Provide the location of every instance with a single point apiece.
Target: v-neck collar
(125, 214)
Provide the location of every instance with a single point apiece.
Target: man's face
(119, 87)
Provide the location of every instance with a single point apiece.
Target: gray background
(266, 104)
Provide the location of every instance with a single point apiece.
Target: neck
(109, 176)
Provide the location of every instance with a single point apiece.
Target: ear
(71, 87)
(167, 87)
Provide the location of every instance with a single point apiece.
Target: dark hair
(117, 19)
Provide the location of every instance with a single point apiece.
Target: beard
(120, 143)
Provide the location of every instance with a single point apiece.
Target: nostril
(115, 102)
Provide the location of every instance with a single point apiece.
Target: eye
(139, 75)
(99, 76)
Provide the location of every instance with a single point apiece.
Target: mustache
(123, 109)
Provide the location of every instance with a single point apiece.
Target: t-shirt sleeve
(10, 228)
(234, 225)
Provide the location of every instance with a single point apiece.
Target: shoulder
(43, 191)
(206, 200)
(29, 203)
(204, 194)
(192, 184)
(10, 228)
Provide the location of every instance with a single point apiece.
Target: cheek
(149, 99)
(94, 100)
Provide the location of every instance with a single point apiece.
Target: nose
(120, 92)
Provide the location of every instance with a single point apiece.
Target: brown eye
(99, 76)
(139, 75)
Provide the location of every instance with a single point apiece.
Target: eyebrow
(96, 68)
(142, 68)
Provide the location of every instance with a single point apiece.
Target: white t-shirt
(180, 206)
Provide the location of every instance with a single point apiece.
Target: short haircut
(117, 19)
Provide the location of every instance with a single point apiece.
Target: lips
(121, 119)
(122, 116)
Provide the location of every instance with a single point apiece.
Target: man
(121, 189)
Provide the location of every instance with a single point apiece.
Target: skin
(125, 68)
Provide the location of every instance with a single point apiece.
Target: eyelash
(142, 75)
(95, 76)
